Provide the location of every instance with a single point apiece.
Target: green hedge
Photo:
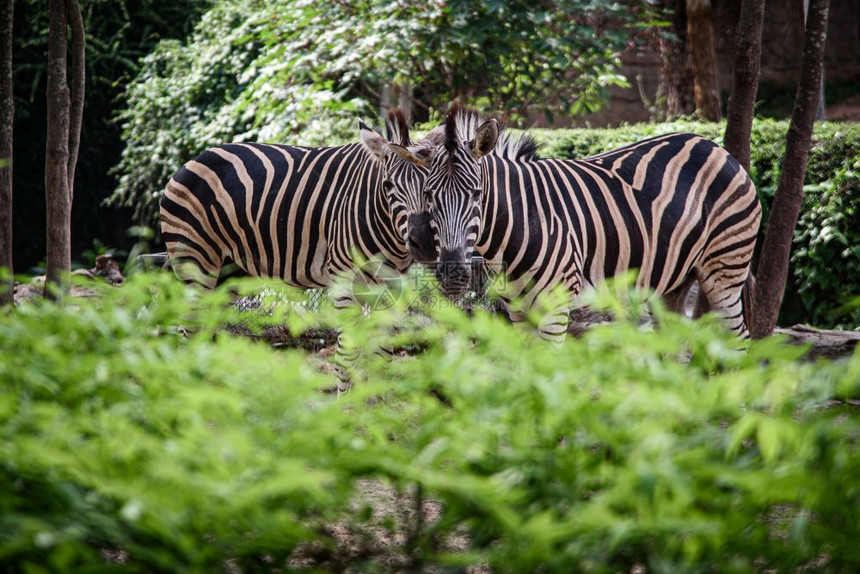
(825, 264)
(129, 445)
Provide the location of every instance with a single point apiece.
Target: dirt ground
(847, 110)
(830, 344)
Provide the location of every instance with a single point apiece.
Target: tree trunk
(58, 204)
(773, 265)
(741, 108)
(819, 110)
(396, 95)
(7, 115)
(676, 75)
(404, 101)
(64, 124)
(700, 39)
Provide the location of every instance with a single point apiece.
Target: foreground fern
(128, 446)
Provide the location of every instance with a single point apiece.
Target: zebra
(302, 215)
(677, 207)
(298, 214)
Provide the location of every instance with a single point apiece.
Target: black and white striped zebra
(677, 207)
(296, 213)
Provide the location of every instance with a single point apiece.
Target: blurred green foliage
(129, 444)
(824, 273)
(301, 72)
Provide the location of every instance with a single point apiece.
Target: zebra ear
(485, 138)
(373, 142)
(419, 158)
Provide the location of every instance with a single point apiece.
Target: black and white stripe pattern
(677, 207)
(295, 213)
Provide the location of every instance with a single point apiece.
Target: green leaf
(769, 439)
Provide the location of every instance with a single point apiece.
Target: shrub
(128, 445)
(825, 264)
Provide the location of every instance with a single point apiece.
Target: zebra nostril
(454, 274)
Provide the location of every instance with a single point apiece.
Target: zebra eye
(387, 185)
(476, 193)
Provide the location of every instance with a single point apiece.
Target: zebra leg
(723, 270)
(346, 357)
(190, 267)
(190, 270)
(347, 353)
(505, 310)
(676, 301)
(553, 325)
(701, 305)
(555, 320)
(723, 287)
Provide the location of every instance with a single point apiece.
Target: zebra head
(454, 193)
(404, 171)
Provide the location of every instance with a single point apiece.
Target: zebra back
(655, 206)
(294, 213)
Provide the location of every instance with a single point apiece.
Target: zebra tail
(747, 298)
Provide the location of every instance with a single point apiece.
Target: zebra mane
(461, 124)
(521, 147)
(396, 128)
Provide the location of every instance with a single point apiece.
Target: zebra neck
(508, 210)
(369, 229)
(486, 245)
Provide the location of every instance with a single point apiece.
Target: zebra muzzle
(454, 274)
(420, 240)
